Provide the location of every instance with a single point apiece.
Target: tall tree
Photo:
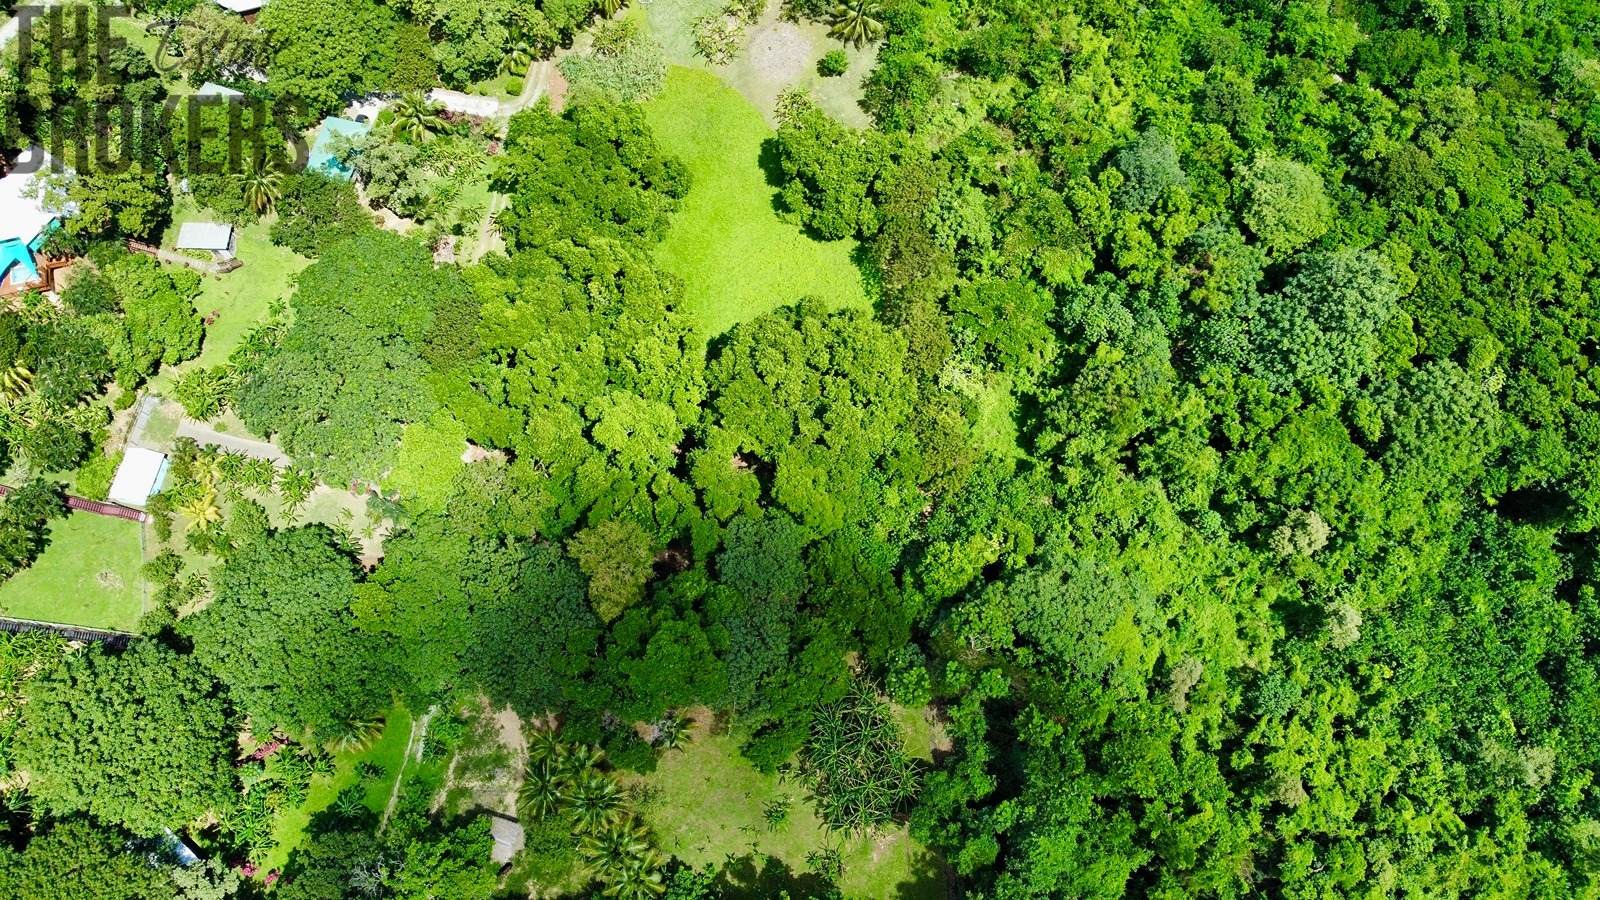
(280, 633)
(143, 738)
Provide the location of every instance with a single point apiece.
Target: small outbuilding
(245, 8)
(138, 477)
(213, 236)
(212, 89)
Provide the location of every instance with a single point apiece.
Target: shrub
(627, 750)
(94, 476)
(717, 37)
(513, 86)
(635, 74)
(833, 63)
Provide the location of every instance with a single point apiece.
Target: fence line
(116, 639)
(210, 268)
(83, 504)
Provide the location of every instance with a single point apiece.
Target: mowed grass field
(240, 298)
(709, 811)
(388, 753)
(88, 575)
(735, 256)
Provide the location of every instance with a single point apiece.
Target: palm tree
(672, 732)
(15, 381)
(608, 8)
(262, 188)
(857, 22)
(416, 118)
(202, 511)
(594, 802)
(355, 733)
(519, 56)
(545, 746)
(295, 487)
(581, 760)
(543, 792)
(624, 859)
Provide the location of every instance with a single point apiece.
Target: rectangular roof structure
(322, 157)
(241, 6)
(212, 89)
(138, 477)
(205, 236)
(24, 218)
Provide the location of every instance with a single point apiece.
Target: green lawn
(671, 23)
(388, 752)
(133, 31)
(240, 297)
(709, 809)
(88, 575)
(735, 256)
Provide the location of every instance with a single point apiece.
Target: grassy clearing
(387, 753)
(708, 810)
(671, 23)
(88, 575)
(240, 298)
(735, 256)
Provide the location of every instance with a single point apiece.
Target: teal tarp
(15, 253)
(322, 150)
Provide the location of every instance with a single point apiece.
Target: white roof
(22, 217)
(205, 236)
(138, 476)
(241, 6)
(212, 89)
(471, 104)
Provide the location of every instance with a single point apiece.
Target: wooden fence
(115, 639)
(83, 504)
(210, 268)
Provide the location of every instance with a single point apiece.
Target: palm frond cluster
(855, 764)
(571, 780)
(857, 22)
(272, 782)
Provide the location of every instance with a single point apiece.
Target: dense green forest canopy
(1280, 581)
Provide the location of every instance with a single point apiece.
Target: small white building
(138, 477)
(212, 89)
(245, 8)
(213, 236)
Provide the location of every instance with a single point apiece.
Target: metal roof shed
(212, 89)
(138, 477)
(213, 236)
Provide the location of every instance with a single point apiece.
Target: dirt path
(419, 733)
(535, 83)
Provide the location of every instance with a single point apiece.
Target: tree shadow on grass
(772, 167)
(931, 879)
(753, 877)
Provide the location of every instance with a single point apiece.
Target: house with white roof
(26, 220)
(211, 236)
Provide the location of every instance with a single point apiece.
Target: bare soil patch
(780, 52)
